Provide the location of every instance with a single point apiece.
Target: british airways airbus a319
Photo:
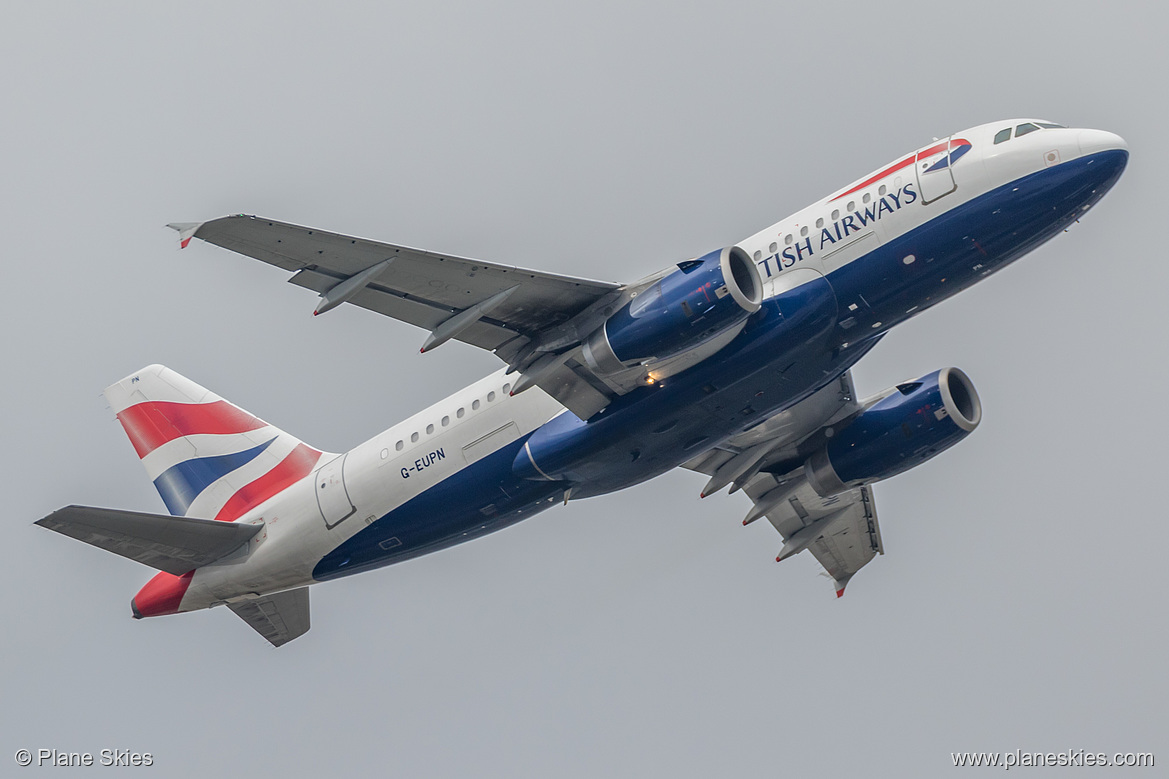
(734, 364)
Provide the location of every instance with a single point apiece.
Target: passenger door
(935, 178)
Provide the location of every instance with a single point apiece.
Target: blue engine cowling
(701, 299)
(910, 425)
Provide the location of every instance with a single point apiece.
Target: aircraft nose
(1096, 141)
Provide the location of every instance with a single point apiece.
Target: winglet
(840, 584)
(186, 231)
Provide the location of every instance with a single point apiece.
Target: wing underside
(421, 287)
(534, 321)
(840, 531)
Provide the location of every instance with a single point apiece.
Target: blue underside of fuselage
(961, 246)
(479, 499)
(654, 429)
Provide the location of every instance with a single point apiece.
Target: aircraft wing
(423, 288)
(278, 618)
(841, 532)
(766, 462)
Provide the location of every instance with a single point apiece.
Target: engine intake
(913, 423)
(703, 298)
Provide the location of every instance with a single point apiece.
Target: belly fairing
(656, 428)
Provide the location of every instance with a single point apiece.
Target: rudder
(208, 458)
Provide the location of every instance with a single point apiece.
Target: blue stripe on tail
(180, 484)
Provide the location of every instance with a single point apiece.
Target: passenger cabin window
(413, 438)
(429, 429)
(774, 246)
(490, 397)
(460, 413)
(819, 223)
(1002, 135)
(1023, 129)
(398, 446)
(446, 421)
(803, 231)
(475, 405)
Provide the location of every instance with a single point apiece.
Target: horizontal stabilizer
(176, 545)
(278, 618)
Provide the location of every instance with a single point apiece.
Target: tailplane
(176, 545)
(208, 458)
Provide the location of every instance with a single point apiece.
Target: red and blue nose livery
(931, 159)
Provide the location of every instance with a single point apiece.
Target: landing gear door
(935, 177)
(332, 497)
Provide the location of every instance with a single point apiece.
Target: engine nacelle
(910, 425)
(702, 299)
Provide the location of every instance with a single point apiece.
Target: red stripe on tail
(152, 424)
(291, 469)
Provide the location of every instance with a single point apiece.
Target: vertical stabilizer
(207, 457)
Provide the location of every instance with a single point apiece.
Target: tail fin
(208, 458)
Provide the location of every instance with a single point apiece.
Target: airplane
(734, 364)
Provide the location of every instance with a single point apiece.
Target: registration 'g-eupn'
(734, 364)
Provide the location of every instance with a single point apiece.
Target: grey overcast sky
(1021, 599)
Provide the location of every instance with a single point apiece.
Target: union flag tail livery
(207, 457)
(735, 364)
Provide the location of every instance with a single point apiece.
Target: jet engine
(911, 424)
(705, 297)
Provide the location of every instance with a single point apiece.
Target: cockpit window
(1023, 129)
